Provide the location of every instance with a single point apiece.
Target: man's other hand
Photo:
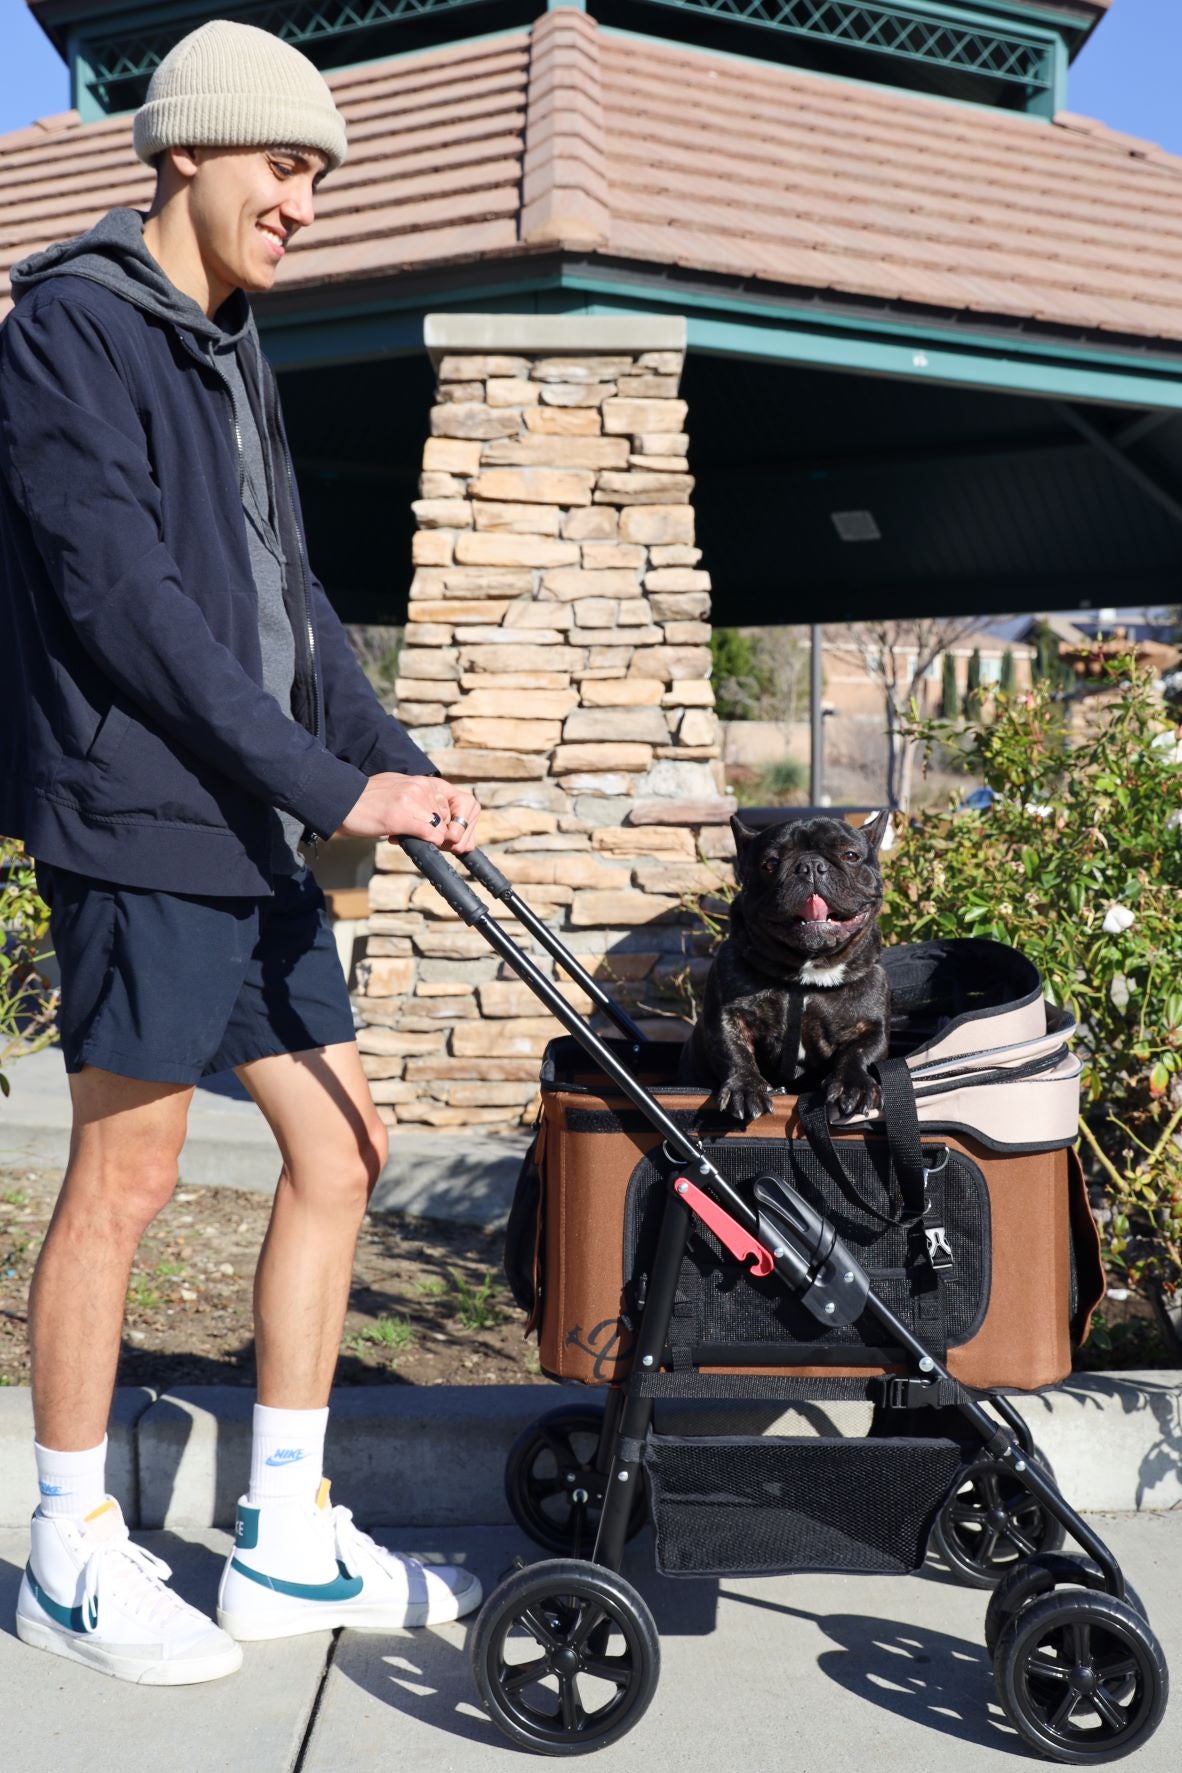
(415, 806)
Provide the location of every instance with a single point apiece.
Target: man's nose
(298, 208)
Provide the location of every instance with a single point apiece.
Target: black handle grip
(438, 870)
(490, 877)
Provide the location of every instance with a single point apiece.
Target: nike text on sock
(287, 1454)
(71, 1483)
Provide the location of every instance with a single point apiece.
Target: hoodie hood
(113, 253)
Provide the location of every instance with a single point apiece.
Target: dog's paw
(852, 1092)
(745, 1097)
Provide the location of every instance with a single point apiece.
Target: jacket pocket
(112, 730)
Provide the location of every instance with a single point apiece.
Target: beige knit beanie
(228, 85)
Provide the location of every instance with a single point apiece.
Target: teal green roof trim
(765, 330)
(734, 55)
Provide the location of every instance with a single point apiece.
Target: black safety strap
(901, 1118)
(814, 1123)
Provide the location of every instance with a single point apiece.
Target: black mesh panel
(719, 1301)
(756, 1506)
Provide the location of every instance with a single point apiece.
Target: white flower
(1118, 918)
(1119, 992)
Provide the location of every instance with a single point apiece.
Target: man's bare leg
(126, 1140)
(299, 1566)
(334, 1147)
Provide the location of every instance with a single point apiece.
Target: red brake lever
(728, 1231)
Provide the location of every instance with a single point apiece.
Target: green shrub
(27, 1003)
(1079, 865)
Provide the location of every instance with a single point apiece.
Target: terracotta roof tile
(562, 135)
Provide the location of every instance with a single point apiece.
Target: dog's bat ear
(875, 829)
(743, 833)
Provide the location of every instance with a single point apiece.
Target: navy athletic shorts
(171, 987)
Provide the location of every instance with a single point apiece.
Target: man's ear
(875, 829)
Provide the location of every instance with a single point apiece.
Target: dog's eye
(770, 866)
(852, 856)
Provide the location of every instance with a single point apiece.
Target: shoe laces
(132, 1575)
(353, 1546)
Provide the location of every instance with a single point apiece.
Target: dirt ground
(428, 1305)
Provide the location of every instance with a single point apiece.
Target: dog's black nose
(812, 867)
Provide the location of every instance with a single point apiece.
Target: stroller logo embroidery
(605, 1344)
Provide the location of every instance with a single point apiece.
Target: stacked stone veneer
(556, 660)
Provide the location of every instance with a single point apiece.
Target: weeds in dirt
(432, 1286)
(15, 1197)
(477, 1307)
(143, 1295)
(394, 1333)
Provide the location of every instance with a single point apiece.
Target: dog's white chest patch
(814, 973)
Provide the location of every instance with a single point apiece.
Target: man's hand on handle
(415, 806)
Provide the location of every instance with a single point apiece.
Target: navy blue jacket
(137, 743)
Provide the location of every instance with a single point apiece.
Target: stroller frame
(786, 1235)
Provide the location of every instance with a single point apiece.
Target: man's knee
(343, 1177)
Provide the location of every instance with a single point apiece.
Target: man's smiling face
(246, 205)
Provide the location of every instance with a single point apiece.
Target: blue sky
(1128, 75)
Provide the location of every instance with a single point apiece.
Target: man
(182, 709)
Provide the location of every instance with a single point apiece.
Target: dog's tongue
(815, 909)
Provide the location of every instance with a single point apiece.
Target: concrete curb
(435, 1456)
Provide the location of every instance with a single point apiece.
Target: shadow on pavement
(925, 1676)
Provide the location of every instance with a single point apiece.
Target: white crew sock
(286, 1454)
(71, 1483)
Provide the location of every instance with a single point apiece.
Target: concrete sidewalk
(797, 1672)
(435, 1175)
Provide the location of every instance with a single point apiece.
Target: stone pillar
(557, 660)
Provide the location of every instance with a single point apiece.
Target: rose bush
(27, 1002)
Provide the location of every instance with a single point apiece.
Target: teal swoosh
(343, 1587)
(73, 1618)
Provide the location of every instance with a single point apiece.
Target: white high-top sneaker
(297, 1567)
(91, 1595)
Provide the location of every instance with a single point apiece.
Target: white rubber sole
(182, 1673)
(299, 1618)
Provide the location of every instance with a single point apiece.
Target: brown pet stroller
(920, 1260)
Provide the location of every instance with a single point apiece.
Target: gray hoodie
(113, 254)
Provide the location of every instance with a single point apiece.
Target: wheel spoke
(573, 1715)
(523, 1674)
(1026, 1546)
(1081, 1642)
(988, 1546)
(616, 1669)
(546, 1487)
(542, 1633)
(1047, 1669)
(590, 1613)
(1114, 1714)
(1115, 1671)
(988, 1486)
(965, 1515)
(1062, 1713)
(560, 1446)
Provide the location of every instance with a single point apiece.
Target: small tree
(1048, 665)
(897, 656)
(738, 679)
(1008, 679)
(974, 694)
(949, 690)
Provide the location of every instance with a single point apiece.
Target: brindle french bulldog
(803, 921)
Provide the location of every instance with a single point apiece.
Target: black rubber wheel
(1081, 1677)
(552, 1487)
(1039, 1575)
(566, 1657)
(992, 1521)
